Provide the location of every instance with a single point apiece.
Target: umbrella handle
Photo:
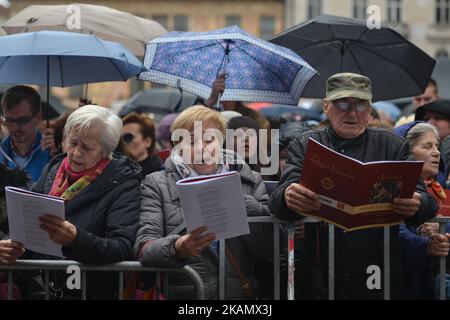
(218, 108)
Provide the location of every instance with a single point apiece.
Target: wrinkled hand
(428, 229)
(406, 207)
(301, 199)
(192, 244)
(218, 87)
(48, 141)
(10, 251)
(439, 245)
(60, 231)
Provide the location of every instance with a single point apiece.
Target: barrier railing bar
(10, 283)
(291, 265)
(120, 285)
(222, 270)
(276, 262)
(442, 260)
(47, 284)
(387, 262)
(331, 261)
(83, 285)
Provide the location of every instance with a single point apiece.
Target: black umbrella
(159, 101)
(332, 44)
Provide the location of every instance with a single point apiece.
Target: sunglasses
(128, 137)
(360, 106)
(22, 121)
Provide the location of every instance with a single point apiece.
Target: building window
(266, 27)
(162, 20)
(180, 23)
(442, 54)
(442, 12)
(314, 8)
(360, 9)
(394, 11)
(232, 21)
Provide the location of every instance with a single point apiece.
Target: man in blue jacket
(24, 147)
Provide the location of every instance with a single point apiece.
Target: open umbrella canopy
(159, 101)
(107, 23)
(333, 44)
(256, 70)
(61, 59)
(288, 111)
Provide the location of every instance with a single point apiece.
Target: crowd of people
(118, 180)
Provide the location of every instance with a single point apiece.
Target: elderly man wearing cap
(347, 106)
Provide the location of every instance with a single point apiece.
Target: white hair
(417, 131)
(85, 117)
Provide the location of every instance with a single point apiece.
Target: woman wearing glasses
(138, 134)
(101, 193)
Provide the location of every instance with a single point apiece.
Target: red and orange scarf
(436, 190)
(67, 183)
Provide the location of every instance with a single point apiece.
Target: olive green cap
(348, 85)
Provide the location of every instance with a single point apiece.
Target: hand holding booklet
(24, 210)
(215, 201)
(357, 195)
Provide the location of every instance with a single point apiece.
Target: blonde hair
(187, 118)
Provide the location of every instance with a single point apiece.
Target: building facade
(426, 23)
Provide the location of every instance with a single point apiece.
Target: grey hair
(85, 117)
(418, 131)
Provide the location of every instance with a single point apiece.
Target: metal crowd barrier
(120, 267)
(276, 253)
(442, 260)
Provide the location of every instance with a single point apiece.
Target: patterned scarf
(228, 157)
(436, 190)
(67, 183)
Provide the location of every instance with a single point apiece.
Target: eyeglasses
(128, 137)
(22, 121)
(360, 106)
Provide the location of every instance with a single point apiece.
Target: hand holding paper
(10, 251)
(192, 244)
(60, 231)
(301, 199)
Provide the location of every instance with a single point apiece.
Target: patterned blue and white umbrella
(256, 70)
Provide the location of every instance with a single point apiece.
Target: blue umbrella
(56, 58)
(256, 69)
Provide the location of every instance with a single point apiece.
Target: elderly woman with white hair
(101, 193)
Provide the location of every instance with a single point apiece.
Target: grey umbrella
(332, 44)
(160, 101)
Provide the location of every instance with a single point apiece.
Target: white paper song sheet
(215, 201)
(24, 209)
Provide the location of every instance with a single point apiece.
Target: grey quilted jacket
(161, 213)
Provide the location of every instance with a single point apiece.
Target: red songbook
(357, 195)
(163, 154)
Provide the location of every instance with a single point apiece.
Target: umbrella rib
(199, 48)
(354, 59)
(261, 64)
(61, 71)
(380, 56)
(118, 70)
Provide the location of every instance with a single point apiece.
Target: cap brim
(349, 94)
